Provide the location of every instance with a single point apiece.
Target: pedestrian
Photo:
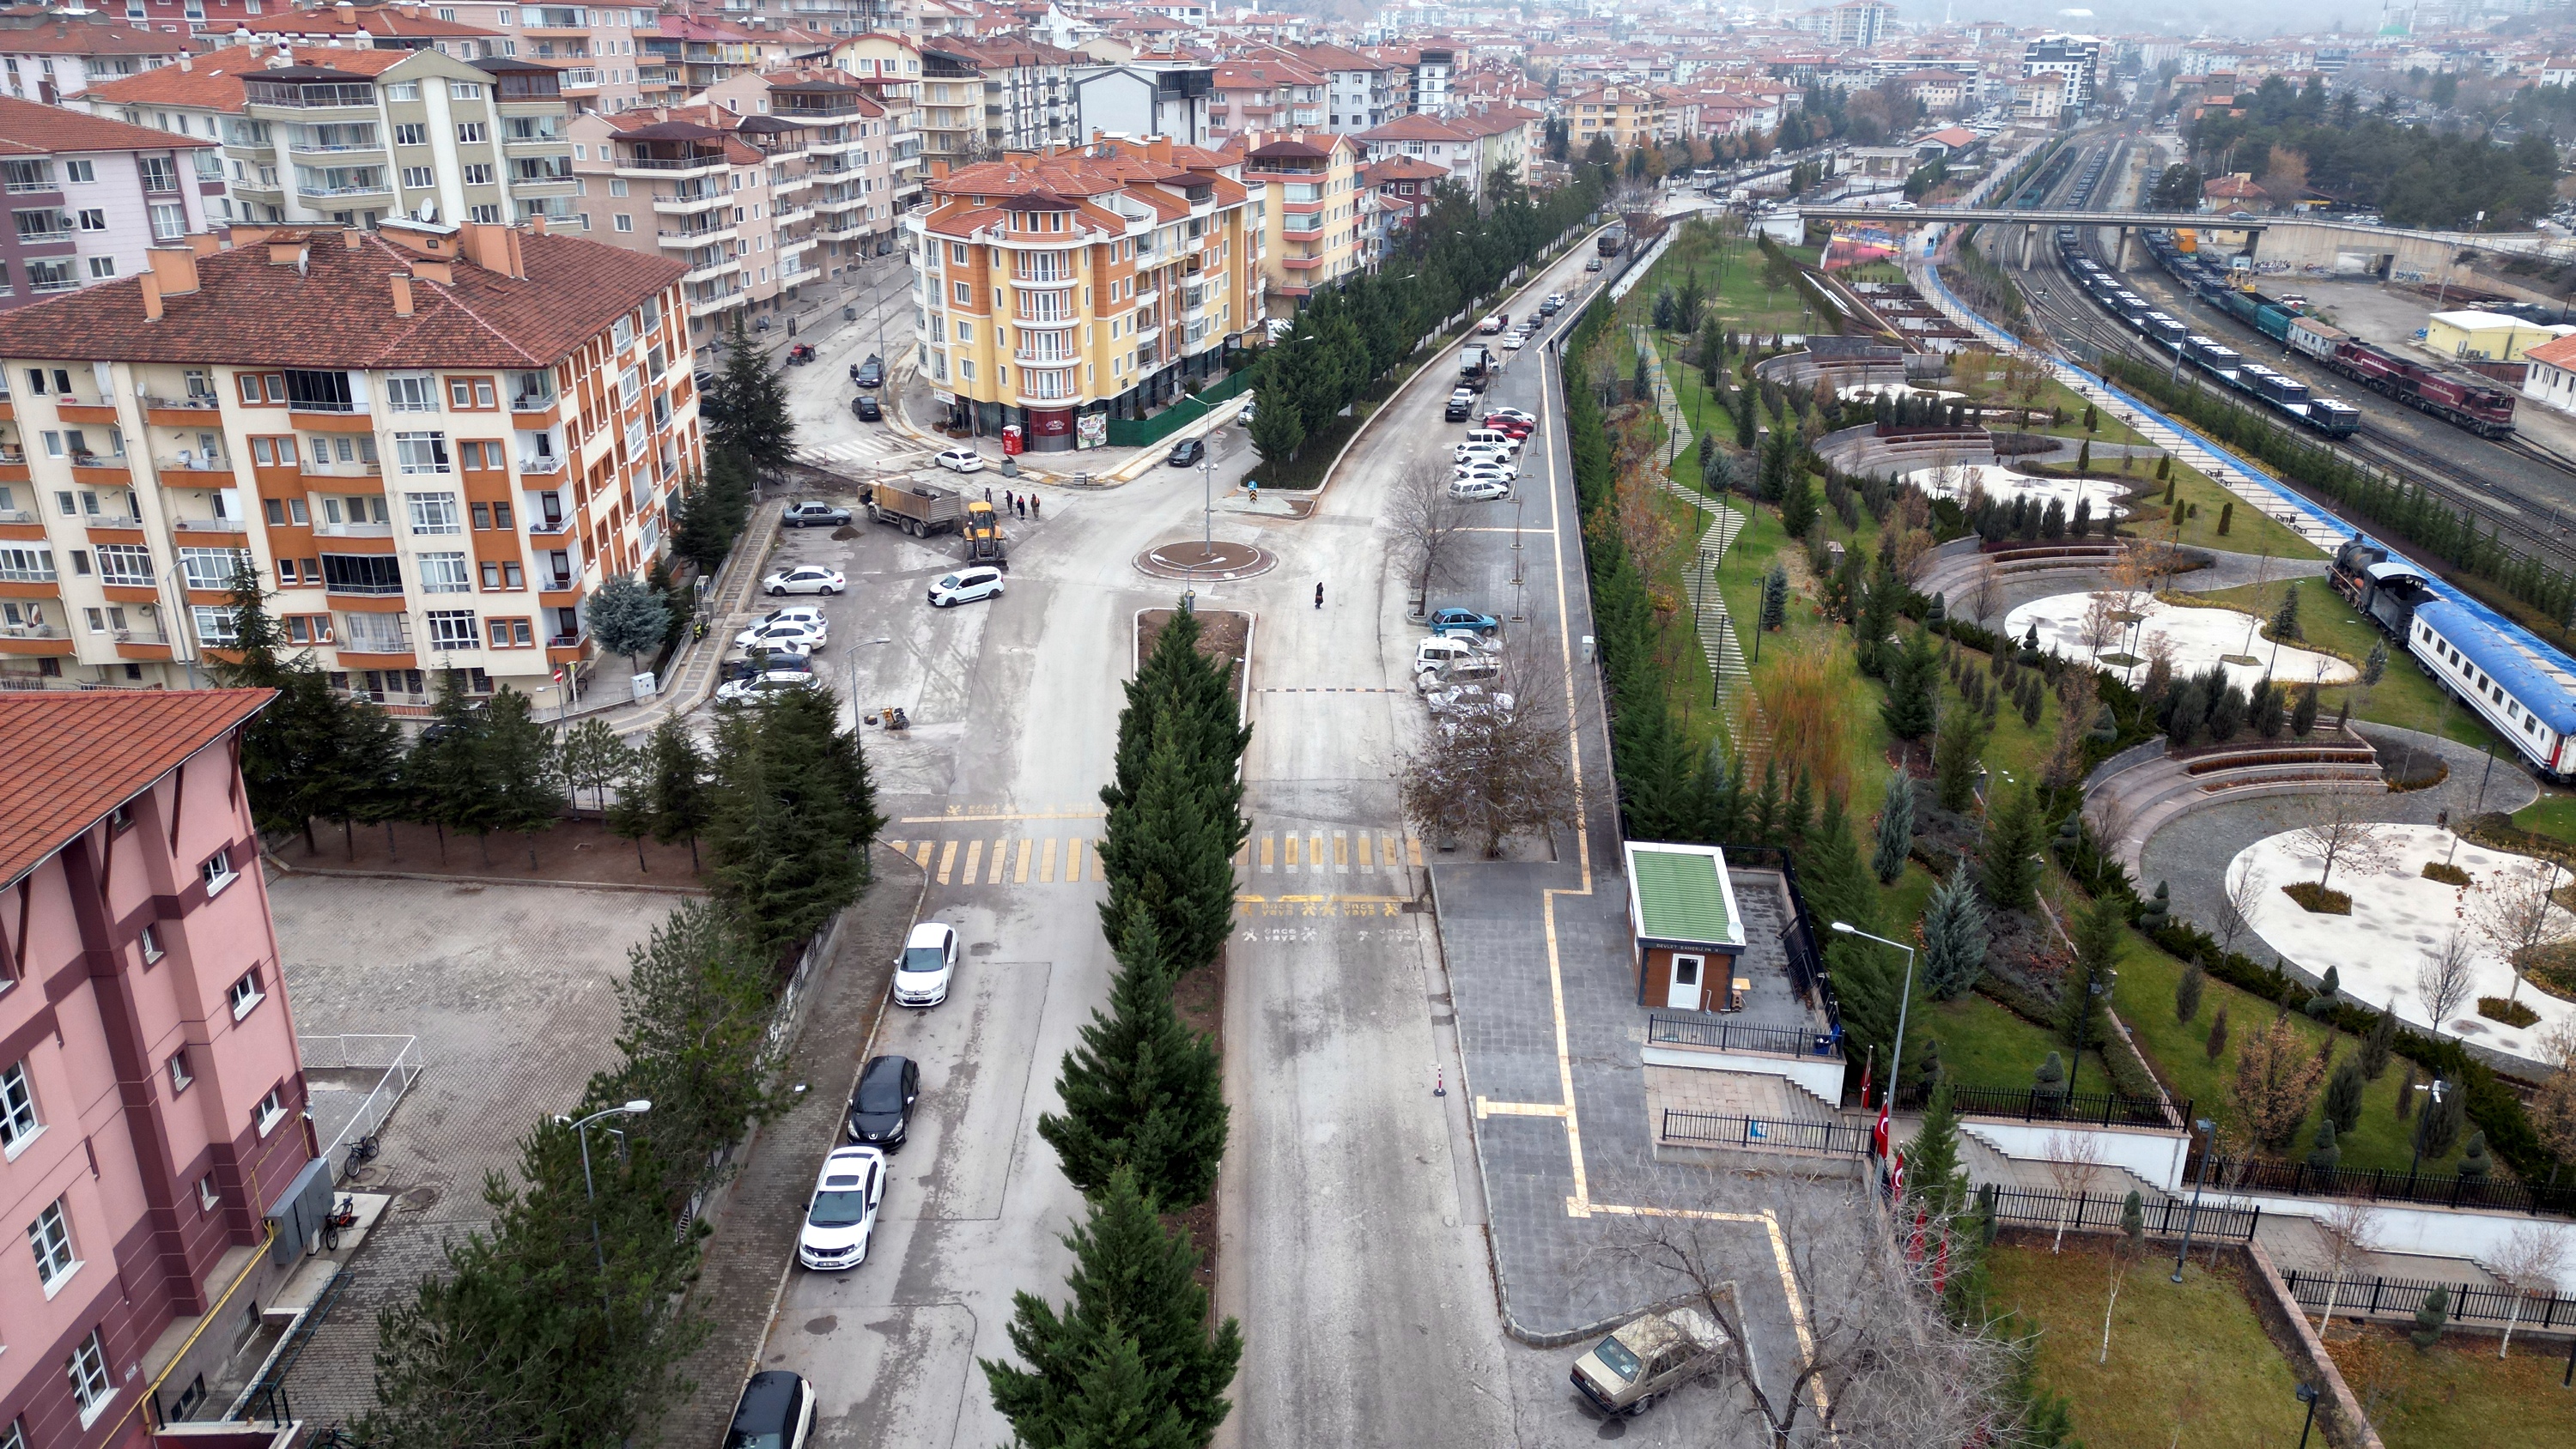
(1319, 593)
(1033, 506)
(1010, 501)
(988, 492)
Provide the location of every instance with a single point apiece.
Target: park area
(2457, 1392)
(2123, 630)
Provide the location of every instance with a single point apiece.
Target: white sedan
(843, 1211)
(1503, 473)
(1512, 341)
(966, 586)
(768, 682)
(1479, 490)
(782, 634)
(807, 579)
(929, 959)
(1466, 453)
(959, 460)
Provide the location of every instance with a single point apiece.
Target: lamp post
(2436, 1087)
(1895, 1058)
(2208, 1131)
(2307, 1396)
(581, 1129)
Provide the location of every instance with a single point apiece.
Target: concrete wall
(2154, 1156)
(2413, 1228)
(1820, 1075)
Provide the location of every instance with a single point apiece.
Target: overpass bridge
(2296, 240)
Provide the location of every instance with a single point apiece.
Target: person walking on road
(1034, 506)
(1319, 593)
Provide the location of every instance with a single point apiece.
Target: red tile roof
(214, 81)
(337, 311)
(75, 755)
(66, 38)
(30, 129)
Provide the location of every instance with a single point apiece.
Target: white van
(1492, 438)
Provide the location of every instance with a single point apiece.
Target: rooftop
(1679, 895)
(30, 129)
(75, 755)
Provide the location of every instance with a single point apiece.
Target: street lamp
(2437, 1087)
(2208, 1131)
(2307, 1396)
(581, 1129)
(1895, 1058)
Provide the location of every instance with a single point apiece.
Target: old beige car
(1647, 1359)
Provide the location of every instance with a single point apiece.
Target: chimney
(187, 62)
(151, 298)
(352, 237)
(402, 294)
(441, 272)
(174, 271)
(537, 223)
(204, 243)
(287, 249)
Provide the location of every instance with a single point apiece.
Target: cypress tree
(2187, 991)
(1954, 937)
(1163, 852)
(1958, 752)
(1800, 815)
(674, 774)
(2215, 1044)
(1836, 883)
(1913, 684)
(2326, 1154)
(2377, 1047)
(2226, 516)
(2303, 714)
(1933, 1176)
(2083, 990)
(1895, 838)
(2285, 619)
(2374, 667)
(2343, 1094)
(1143, 1092)
(1775, 598)
(1132, 1279)
(2006, 855)
(2437, 1127)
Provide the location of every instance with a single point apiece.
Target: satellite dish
(429, 211)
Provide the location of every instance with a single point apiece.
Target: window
(965, 295)
(217, 625)
(18, 1124)
(80, 172)
(472, 133)
(362, 573)
(270, 1111)
(625, 222)
(89, 1378)
(411, 133)
(426, 453)
(209, 1196)
(419, 178)
(465, 91)
(484, 215)
(474, 392)
(180, 1076)
(453, 629)
(511, 634)
(410, 393)
(26, 565)
(51, 1236)
(245, 993)
(93, 219)
(478, 173)
(149, 938)
(102, 268)
(125, 563)
(444, 573)
(402, 90)
(158, 173)
(217, 871)
(169, 221)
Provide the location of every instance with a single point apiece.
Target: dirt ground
(574, 851)
(1222, 632)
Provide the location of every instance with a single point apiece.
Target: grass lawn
(2553, 815)
(2405, 694)
(1984, 1045)
(2188, 1364)
(2457, 1392)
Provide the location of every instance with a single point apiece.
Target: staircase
(2143, 797)
(1718, 638)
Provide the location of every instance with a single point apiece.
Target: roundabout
(1189, 559)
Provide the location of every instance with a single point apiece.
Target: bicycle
(361, 1152)
(343, 1216)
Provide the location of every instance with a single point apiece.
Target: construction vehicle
(917, 508)
(983, 533)
(1475, 365)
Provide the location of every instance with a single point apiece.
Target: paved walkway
(1717, 634)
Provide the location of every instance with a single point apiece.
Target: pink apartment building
(151, 1106)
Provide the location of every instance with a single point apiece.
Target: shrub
(2449, 875)
(2511, 1013)
(2317, 900)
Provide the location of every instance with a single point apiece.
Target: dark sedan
(881, 1108)
(864, 406)
(870, 373)
(1187, 453)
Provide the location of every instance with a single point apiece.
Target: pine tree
(366, 773)
(2083, 991)
(1164, 853)
(673, 776)
(787, 824)
(2303, 715)
(2344, 1093)
(1133, 1279)
(2382, 1041)
(1797, 504)
(1895, 839)
(1958, 753)
(2285, 619)
(1142, 1092)
(627, 616)
(2006, 854)
(444, 774)
(1775, 598)
(747, 408)
(1933, 1176)
(1911, 708)
(2373, 668)
(1954, 937)
(1838, 886)
(517, 755)
(2325, 1155)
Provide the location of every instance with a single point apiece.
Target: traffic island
(1191, 560)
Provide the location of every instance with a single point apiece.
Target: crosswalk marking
(1366, 840)
(1052, 859)
(1000, 849)
(947, 858)
(974, 858)
(1266, 843)
(1098, 871)
(1073, 859)
(1020, 867)
(1341, 853)
(1046, 862)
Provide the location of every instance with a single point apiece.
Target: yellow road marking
(922, 859)
(1243, 854)
(947, 858)
(1295, 841)
(1315, 849)
(1413, 850)
(974, 858)
(955, 816)
(1266, 843)
(1487, 1107)
(1046, 861)
(1073, 859)
(1366, 840)
(1020, 867)
(1098, 871)
(1341, 850)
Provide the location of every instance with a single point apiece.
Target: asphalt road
(1353, 1246)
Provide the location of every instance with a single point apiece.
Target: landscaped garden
(2458, 1391)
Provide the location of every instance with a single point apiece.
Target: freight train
(2525, 695)
(2268, 389)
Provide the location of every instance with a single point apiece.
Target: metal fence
(1717, 1034)
(2034, 1207)
(2484, 1302)
(2028, 1104)
(2297, 1179)
(1708, 1129)
(1807, 971)
(397, 1057)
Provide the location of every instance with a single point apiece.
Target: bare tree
(2246, 885)
(2102, 623)
(2074, 1164)
(1985, 591)
(1881, 1366)
(2530, 1265)
(1498, 764)
(1429, 525)
(2351, 1232)
(2276, 1083)
(2345, 836)
(2553, 1107)
(2442, 982)
(2513, 910)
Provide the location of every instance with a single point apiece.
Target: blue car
(1446, 622)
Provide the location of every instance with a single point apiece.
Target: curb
(898, 419)
(285, 868)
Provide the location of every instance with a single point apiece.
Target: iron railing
(2029, 1104)
(1711, 1129)
(2297, 1179)
(398, 1057)
(1714, 1034)
(2485, 1302)
(2036, 1207)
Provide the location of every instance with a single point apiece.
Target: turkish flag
(1878, 1133)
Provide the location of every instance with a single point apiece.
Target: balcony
(180, 412)
(321, 148)
(568, 641)
(189, 460)
(1303, 264)
(692, 240)
(335, 193)
(542, 527)
(540, 467)
(82, 410)
(792, 184)
(712, 270)
(672, 167)
(358, 530)
(687, 203)
(210, 525)
(1301, 228)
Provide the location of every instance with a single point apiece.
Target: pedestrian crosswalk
(960, 855)
(882, 448)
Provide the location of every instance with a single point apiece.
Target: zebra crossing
(882, 449)
(1008, 853)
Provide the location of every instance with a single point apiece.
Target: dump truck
(1475, 365)
(983, 533)
(917, 508)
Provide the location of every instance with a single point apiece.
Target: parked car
(1503, 417)
(1555, 301)
(1479, 490)
(768, 681)
(1592, 265)
(776, 1411)
(1443, 649)
(1483, 471)
(809, 636)
(810, 514)
(864, 408)
(843, 1211)
(881, 1106)
(870, 373)
(1187, 453)
(1466, 453)
(1499, 437)
(966, 586)
(959, 460)
(1462, 405)
(805, 579)
(1463, 621)
(1466, 698)
(810, 615)
(1513, 341)
(1646, 1359)
(929, 958)
(1471, 669)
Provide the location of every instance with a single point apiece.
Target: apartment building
(2074, 60)
(888, 69)
(1309, 188)
(152, 1126)
(1063, 288)
(1631, 116)
(430, 440)
(685, 54)
(88, 197)
(1467, 146)
(776, 180)
(346, 137)
(1854, 24)
(50, 59)
(597, 50)
(1266, 93)
(1358, 92)
(1027, 89)
(1144, 98)
(1402, 188)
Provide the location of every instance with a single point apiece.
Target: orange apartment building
(1310, 210)
(430, 441)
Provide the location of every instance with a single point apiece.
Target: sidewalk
(907, 396)
(698, 663)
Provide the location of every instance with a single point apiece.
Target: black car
(1187, 453)
(871, 373)
(776, 1411)
(881, 1108)
(865, 408)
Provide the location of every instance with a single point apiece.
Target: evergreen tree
(286, 749)
(2382, 1041)
(747, 408)
(1933, 1176)
(1164, 853)
(1142, 1093)
(713, 513)
(2214, 1045)
(2086, 986)
(786, 835)
(1837, 885)
(2303, 715)
(1797, 503)
(1958, 753)
(517, 755)
(1775, 598)
(2474, 1159)
(630, 815)
(1954, 937)
(628, 617)
(1895, 838)
(2437, 1127)
(2285, 619)
(1640, 384)
(1911, 708)
(2430, 1318)
(2049, 1082)
(2325, 1155)
(366, 770)
(444, 774)
(2227, 714)
(673, 776)
(2373, 668)
(2187, 991)
(1132, 1279)
(1279, 429)
(2007, 855)
(591, 757)
(2344, 1093)
(2226, 516)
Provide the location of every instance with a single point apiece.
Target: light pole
(581, 1129)
(1895, 1058)
(2307, 1396)
(2437, 1087)
(2208, 1131)
(1207, 504)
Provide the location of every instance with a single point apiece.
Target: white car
(966, 586)
(1441, 650)
(1503, 473)
(1464, 698)
(1557, 297)
(1512, 341)
(1479, 490)
(809, 615)
(959, 460)
(1474, 669)
(807, 579)
(843, 1210)
(805, 637)
(772, 681)
(929, 958)
(1466, 453)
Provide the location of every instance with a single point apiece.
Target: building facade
(1311, 220)
(88, 197)
(1631, 116)
(1143, 99)
(431, 442)
(49, 59)
(2074, 60)
(151, 1098)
